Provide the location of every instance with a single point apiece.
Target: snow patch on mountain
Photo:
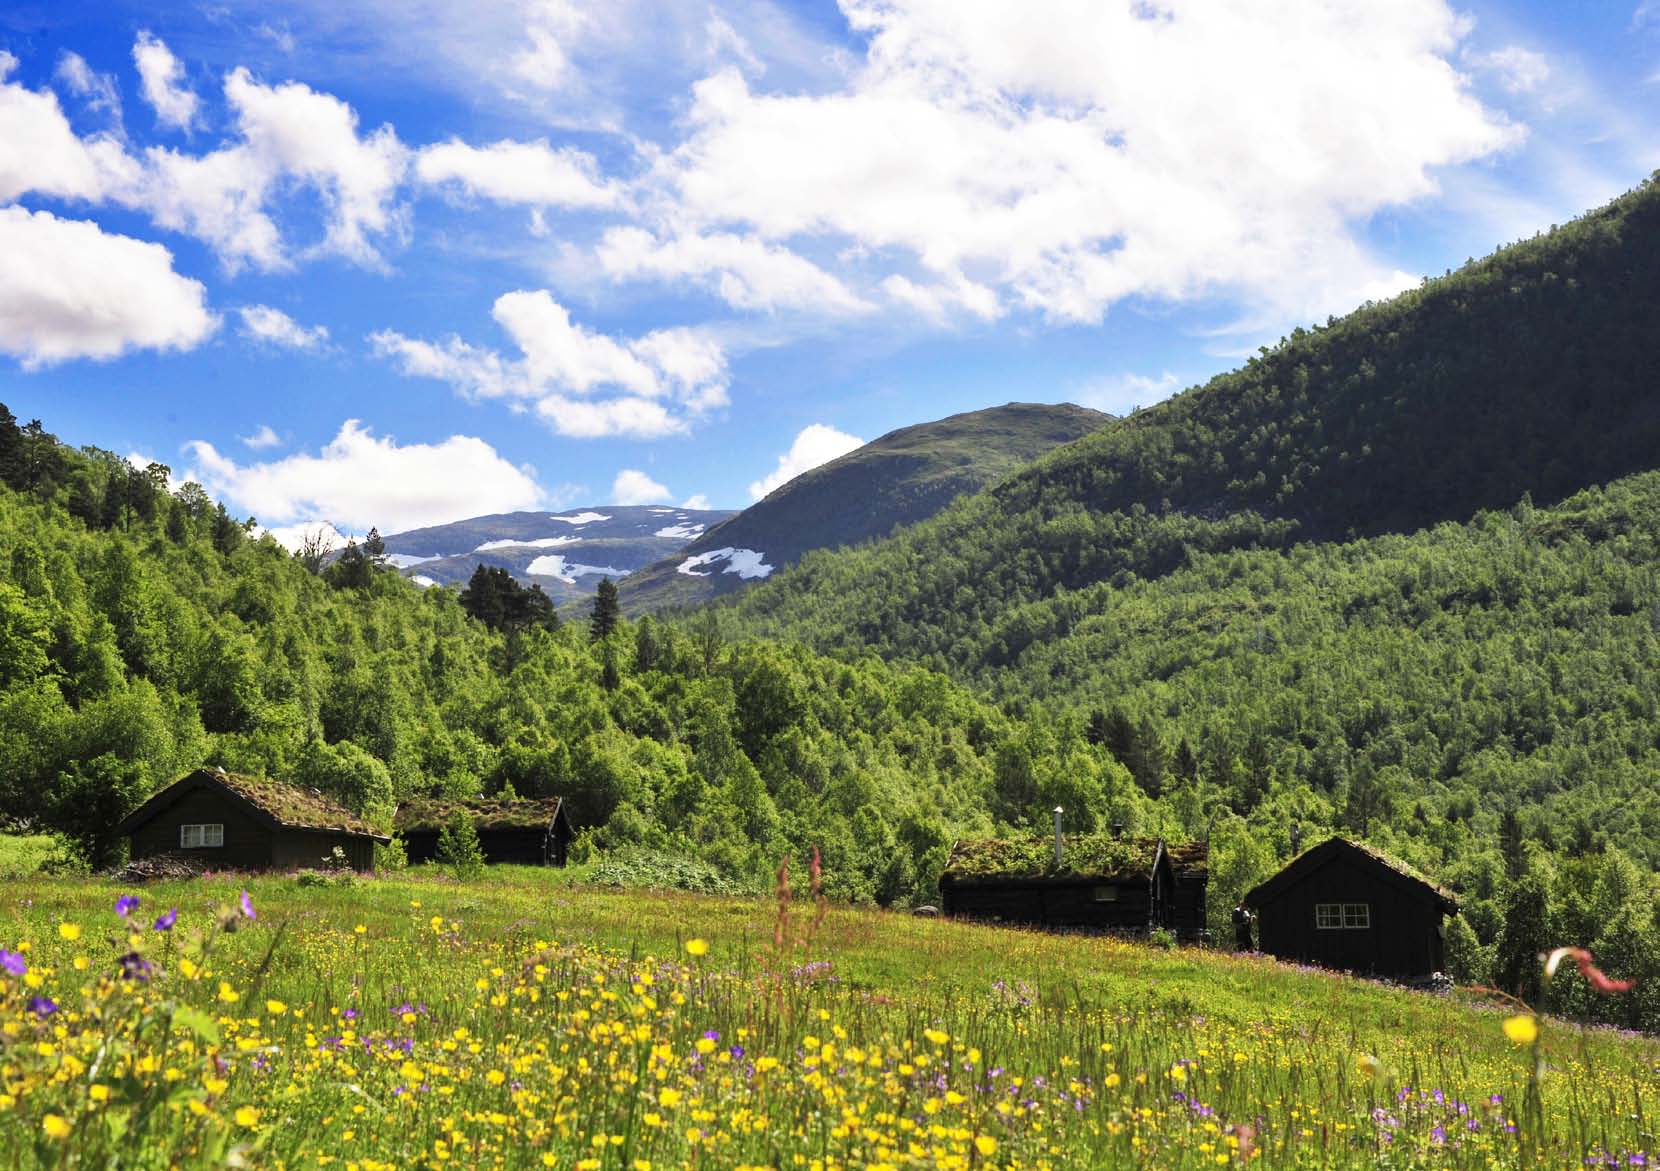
(553, 565)
(746, 563)
(682, 530)
(423, 581)
(581, 518)
(521, 543)
(409, 560)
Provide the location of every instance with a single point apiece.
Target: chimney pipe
(1118, 829)
(1296, 839)
(1058, 812)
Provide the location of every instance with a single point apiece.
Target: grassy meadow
(524, 1020)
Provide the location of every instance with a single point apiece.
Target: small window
(1343, 916)
(1105, 894)
(196, 837)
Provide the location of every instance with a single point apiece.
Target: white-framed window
(1343, 916)
(1105, 894)
(195, 837)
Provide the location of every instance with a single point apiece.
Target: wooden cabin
(234, 822)
(522, 832)
(1345, 905)
(1190, 864)
(1102, 882)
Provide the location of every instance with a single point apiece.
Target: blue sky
(397, 263)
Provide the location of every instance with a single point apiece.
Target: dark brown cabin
(521, 832)
(234, 822)
(1345, 905)
(1101, 882)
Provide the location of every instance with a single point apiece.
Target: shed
(236, 822)
(526, 832)
(1190, 864)
(1100, 881)
(1344, 904)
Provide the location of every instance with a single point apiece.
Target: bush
(664, 871)
(458, 846)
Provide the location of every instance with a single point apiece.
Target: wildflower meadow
(523, 1022)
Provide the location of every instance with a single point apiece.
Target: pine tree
(606, 610)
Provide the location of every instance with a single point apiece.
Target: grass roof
(1082, 856)
(291, 806)
(432, 813)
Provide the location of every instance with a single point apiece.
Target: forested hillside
(1527, 372)
(145, 632)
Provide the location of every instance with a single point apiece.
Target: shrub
(458, 846)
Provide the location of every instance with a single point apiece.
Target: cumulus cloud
(746, 272)
(635, 487)
(531, 173)
(44, 155)
(273, 327)
(98, 89)
(699, 502)
(360, 480)
(161, 79)
(816, 444)
(262, 438)
(1065, 157)
(583, 383)
(70, 290)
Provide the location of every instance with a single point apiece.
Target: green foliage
(657, 870)
(458, 846)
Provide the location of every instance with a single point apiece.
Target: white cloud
(518, 172)
(1044, 157)
(1518, 69)
(635, 487)
(43, 154)
(161, 79)
(273, 327)
(360, 480)
(816, 444)
(70, 290)
(699, 502)
(1119, 394)
(745, 271)
(99, 89)
(262, 438)
(544, 64)
(655, 384)
(289, 135)
(292, 537)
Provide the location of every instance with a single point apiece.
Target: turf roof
(433, 813)
(1082, 856)
(287, 806)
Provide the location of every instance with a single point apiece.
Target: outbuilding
(235, 822)
(1094, 881)
(524, 832)
(1343, 904)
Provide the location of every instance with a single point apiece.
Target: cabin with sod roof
(234, 822)
(1086, 881)
(521, 832)
(1345, 905)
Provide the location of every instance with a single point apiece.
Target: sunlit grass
(525, 1022)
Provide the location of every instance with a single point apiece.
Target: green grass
(25, 854)
(510, 1022)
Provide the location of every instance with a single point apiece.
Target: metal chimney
(1296, 839)
(1058, 812)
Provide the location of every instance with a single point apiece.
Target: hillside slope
(905, 476)
(566, 553)
(1527, 372)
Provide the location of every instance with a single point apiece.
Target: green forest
(1395, 579)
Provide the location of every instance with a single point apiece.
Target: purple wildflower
(165, 922)
(126, 905)
(737, 1052)
(41, 1006)
(12, 962)
(134, 967)
(248, 907)
(349, 1015)
(1438, 1135)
